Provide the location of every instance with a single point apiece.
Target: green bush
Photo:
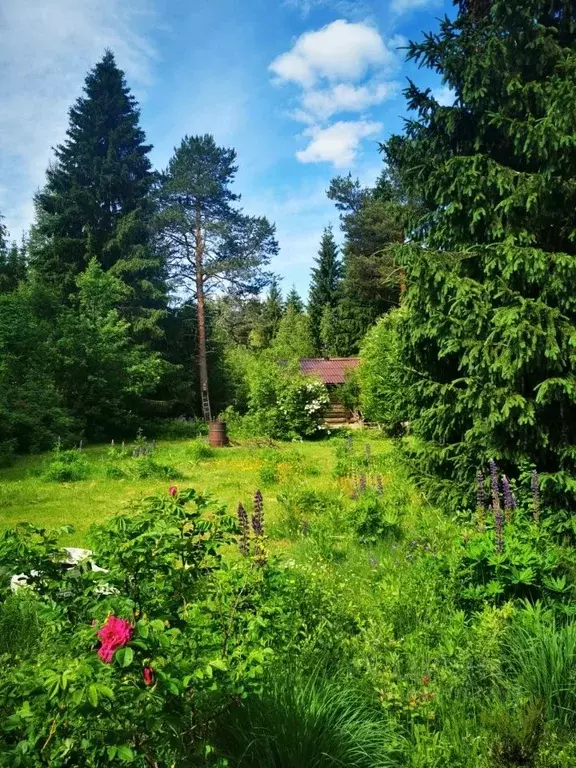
(199, 450)
(381, 375)
(269, 474)
(147, 468)
(67, 467)
(377, 517)
(283, 404)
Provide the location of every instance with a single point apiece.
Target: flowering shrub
(132, 663)
(114, 634)
(511, 555)
(283, 404)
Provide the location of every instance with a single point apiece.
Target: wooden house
(332, 372)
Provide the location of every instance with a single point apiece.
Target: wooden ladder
(206, 412)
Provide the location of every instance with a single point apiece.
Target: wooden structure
(218, 435)
(332, 372)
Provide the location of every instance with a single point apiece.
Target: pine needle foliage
(490, 335)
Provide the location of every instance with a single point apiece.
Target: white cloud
(342, 67)
(46, 49)
(341, 51)
(445, 96)
(343, 97)
(405, 6)
(339, 143)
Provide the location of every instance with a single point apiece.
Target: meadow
(339, 617)
(231, 475)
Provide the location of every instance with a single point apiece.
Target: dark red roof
(329, 370)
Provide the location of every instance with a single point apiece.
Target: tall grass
(20, 627)
(542, 656)
(300, 722)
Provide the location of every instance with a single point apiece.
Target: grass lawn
(230, 476)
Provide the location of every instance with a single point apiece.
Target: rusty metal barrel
(217, 434)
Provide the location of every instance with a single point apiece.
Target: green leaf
(93, 695)
(125, 656)
(126, 753)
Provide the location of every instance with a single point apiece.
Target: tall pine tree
(97, 201)
(325, 284)
(491, 321)
(209, 243)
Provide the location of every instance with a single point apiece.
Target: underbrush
(67, 466)
(308, 721)
(328, 621)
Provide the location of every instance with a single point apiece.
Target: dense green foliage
(360, 618)
(381, 375)
(354, 623)
(488, 340)
(372, 220)
(278, 400)
(96, 202)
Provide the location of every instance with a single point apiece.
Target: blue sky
(303, 89)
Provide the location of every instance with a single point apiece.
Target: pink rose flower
(173, 490)
(114, 634)
(148, 675)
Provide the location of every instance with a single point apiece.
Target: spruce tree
(12, 262)
(325, 285)
(293, 302)
(491, 325)
(272, 312)
(96, 202)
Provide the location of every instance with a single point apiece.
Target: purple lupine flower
(258, 515)
(258, 528)
(495, 486)
(499, 526)
(362, 484)
(244, 543)
(480, 501)
(496, 508)
(535, 496)
(509, 500)
(379, 486)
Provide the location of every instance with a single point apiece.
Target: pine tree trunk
(201, 309)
